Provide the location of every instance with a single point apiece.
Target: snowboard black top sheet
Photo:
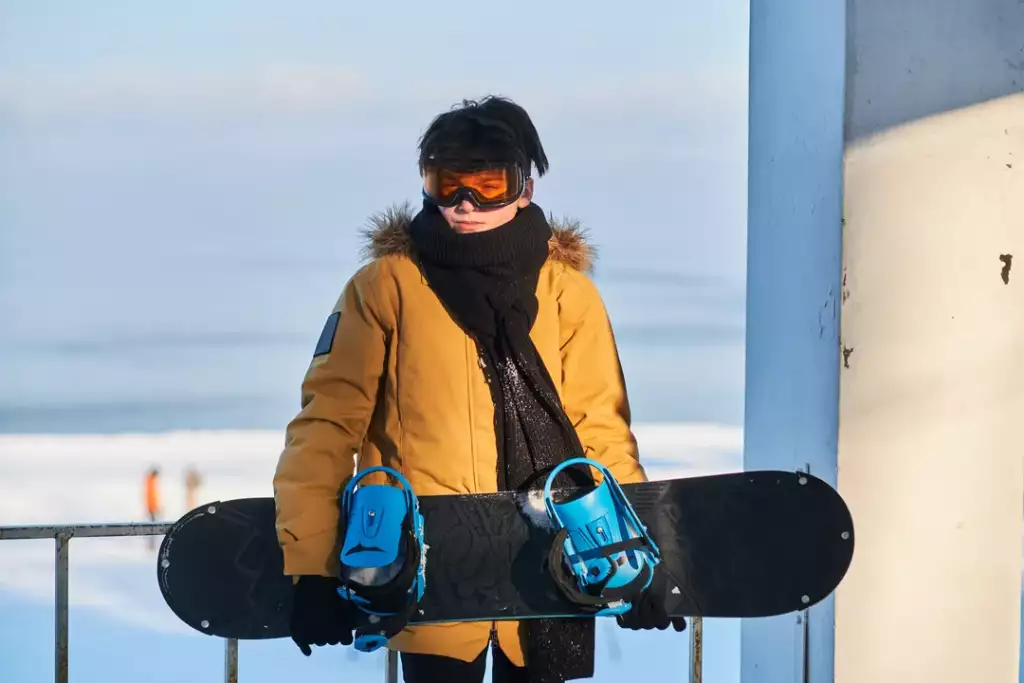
(747, 544)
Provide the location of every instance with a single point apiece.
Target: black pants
(418, 668)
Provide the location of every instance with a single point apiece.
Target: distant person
(193, 481)
(475, 305)
(151, 489)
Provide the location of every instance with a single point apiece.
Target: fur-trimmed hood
(387, 234)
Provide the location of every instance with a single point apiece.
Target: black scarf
(487, 281)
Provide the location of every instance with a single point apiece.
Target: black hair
(494, 129)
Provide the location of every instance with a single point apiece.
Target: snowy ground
(84, 478)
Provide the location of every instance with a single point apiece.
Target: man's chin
(466, 229)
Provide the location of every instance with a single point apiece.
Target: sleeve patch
(326, 341)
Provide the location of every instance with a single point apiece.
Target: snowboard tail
(746, 544)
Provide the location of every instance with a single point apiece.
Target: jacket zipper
(472, 413)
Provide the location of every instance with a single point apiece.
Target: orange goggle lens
(491, 187)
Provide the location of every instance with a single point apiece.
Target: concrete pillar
(793, 287)
(932, 397)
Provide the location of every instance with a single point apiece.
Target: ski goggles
(490, 187)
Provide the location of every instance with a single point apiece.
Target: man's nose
(465, 206)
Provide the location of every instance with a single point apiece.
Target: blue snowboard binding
(383, 568)
(602, 557)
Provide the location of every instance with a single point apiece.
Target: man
(472, 354)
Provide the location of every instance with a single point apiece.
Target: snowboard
(746, 544)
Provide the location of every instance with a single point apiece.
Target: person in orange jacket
(473, 334)
(152, 493)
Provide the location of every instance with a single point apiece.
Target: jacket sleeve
(593, 387)
(339, 394)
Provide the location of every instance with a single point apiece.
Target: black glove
(319, 615)
(648, 611)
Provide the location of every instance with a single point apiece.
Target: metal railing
(63, 533)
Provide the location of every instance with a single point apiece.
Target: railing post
(60, 629)
(696, 650)
(391, 669)
(230, 660)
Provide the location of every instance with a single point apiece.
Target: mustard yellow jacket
(401, 386)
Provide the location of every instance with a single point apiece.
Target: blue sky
(195, 178)
(198, 35)
(181, 188)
